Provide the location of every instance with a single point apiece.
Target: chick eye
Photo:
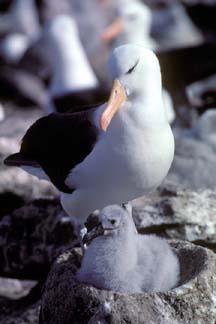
(131, 69)
(113, 221)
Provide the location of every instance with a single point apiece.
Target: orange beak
(113, 30)
(117, 98)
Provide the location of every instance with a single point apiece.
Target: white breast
(126, 163)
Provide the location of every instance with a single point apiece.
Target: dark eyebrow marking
(131, 69)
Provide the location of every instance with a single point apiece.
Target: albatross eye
(113, 221)
(131, 69)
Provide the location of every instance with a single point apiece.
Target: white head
(134, 66)
(136, 74)
(115, 218)
(132, 25)
(137, 16)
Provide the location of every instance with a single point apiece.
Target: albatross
(132, 25)
(109, 154)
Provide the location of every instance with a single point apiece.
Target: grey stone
(66, 301)
(24, 315)
(13, 181)
(176, 213)
(31, 238)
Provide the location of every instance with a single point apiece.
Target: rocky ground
(38, 245)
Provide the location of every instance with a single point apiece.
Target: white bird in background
(111, 154)
(205, 129)
(71, 70)
(23, 28)
(133, 25)
(172, 27)
(121, 260)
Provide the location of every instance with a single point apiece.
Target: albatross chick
(121, 260)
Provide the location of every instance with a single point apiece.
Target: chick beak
(95, 232)
(117, 98)
(113, 30)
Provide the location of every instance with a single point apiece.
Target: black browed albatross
(111, 154)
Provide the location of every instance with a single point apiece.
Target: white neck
(147, 104)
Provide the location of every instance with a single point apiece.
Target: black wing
(57, 143)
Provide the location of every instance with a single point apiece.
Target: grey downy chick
(124, 261)
(111, 258)
(157, 264)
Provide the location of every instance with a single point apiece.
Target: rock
(24, 315)
(24, 310)
(17, 186)
(178, 213)
(31, 238)
(22, 185)
(66, 301)
(17, 121)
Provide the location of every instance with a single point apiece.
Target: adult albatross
(111, 154)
